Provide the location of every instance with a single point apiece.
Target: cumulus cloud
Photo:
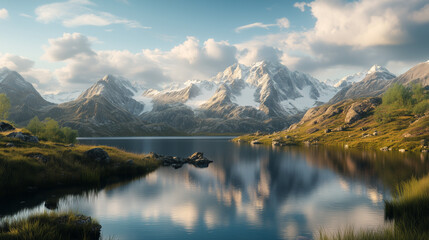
(301, 5)
(152, 68)
(74, 13)
(281, 23)
(67, 46)
(42, 79)
(15, 63)
(4, 13)
(353, 35)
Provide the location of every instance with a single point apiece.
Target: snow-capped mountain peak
(377, 68)
(231, 73)
(269, 87)
(357, 77)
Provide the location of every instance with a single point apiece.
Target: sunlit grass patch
(62, 226)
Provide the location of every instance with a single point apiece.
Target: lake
(248, 192)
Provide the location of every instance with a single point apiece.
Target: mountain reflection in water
(250, 192)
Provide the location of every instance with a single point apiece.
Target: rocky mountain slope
(357, 77)
(265, 96)
(374, 84)
(418, 74)
(97, 116)
(25, 101)
(352, 124)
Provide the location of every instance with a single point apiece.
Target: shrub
(4, 106)
(400, 100)
(50, 130)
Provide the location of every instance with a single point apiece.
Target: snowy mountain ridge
(357, 77)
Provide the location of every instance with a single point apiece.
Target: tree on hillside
(4, 106)
(50, 130)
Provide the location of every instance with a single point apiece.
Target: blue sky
(60, 45)
(170, 22)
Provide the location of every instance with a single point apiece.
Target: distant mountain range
(265, 96)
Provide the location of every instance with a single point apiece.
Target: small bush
(400, 100)
(50, 130)
(4, 106)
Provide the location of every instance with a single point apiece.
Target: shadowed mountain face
(25, 101)
(97, 116)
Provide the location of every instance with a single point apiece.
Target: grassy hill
(368, 123)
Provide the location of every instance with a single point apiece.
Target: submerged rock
(98, 155)
(197, 159)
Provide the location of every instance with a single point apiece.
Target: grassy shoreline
(409, 211)
(28, 167)
(61, 226)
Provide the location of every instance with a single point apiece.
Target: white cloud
(281, 23)
(4, 13)
(301, 5)
(74, 13)
(362, 23)
(68, 46)
(25, 15)
(350, 35)
(42, 79)
(153, 68)
(15, 63)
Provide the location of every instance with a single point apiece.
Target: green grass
(60, 226)
(66, 166)
(409, 209)
(404, 132)
(384, 233)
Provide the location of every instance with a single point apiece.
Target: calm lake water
(248, 192)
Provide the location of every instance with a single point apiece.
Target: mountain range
(265, 96)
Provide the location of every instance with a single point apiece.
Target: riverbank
(62, 226)
(26, 167)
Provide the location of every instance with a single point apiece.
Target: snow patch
(246, 97)
(205, 94)
(299, 104)
(147, 101)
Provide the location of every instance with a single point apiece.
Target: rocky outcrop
(318, 114)
(23, 137)
(197, 159)
(4, 127)
(39, 157)
(359, 109)
(97, 155)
